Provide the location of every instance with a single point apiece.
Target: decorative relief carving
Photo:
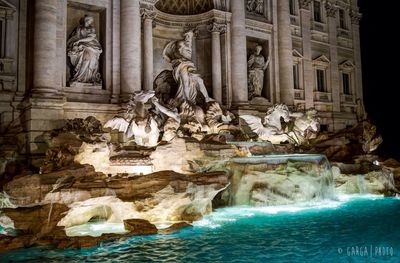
(304, 4)
(148, 13)
(216, 27)
(355, 17)
(255, 7)
(331, 9)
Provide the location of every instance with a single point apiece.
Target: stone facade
(313, 47)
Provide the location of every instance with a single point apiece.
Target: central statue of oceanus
(191, 88)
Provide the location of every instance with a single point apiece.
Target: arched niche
(172, 26)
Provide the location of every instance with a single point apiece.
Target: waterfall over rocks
(280, 180)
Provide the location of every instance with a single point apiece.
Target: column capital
(304, 4)
(216, 27)
(355, 17)
(331, 9)
(148, 13)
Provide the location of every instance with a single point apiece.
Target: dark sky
(379, 29)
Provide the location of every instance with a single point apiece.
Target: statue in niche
(191, 88)
(256, 66)
(84, 51)
(255, 6)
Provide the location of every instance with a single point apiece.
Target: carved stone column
(45, 49)
(148, 16)
(285, 51)
(44, 110)
(239, 56)
(305, 16)
(216, 29)
(331, 12)
(355, 25)
(130, 48)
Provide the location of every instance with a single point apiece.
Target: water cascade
(280, 179)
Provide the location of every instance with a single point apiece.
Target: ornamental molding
(355, 17)
(331, 9)
(322, 61)
(216, 28)
(347, 65)
(148, 13)
(193, 21)
(305, 4)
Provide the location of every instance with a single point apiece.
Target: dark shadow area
(379, 49)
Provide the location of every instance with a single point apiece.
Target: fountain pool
(350, 229)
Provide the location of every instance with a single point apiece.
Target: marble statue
(84, 51)
(299, 128)
(255, 6)
(191, 87)
(256, 68)
(138, 122)
(305, 126)
(270, 129)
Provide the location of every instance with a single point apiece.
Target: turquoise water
(349, 230)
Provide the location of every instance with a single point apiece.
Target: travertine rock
(140, 227)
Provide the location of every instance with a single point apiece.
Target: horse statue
(271, 128)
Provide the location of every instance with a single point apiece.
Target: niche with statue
(258, 68)
(84, 47)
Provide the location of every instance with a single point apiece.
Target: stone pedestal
(42, 115)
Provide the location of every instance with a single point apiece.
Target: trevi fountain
(189, 131)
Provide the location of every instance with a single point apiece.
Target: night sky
(381, 75)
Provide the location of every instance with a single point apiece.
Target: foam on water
(95, 229)
(232, 214)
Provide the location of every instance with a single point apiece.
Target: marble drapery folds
(190, 84)
(84, 49)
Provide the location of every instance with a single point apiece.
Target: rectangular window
(292, 7)
(321, 82)
(342, 19)
(296, 77)
(346, 83)
(317, 11)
